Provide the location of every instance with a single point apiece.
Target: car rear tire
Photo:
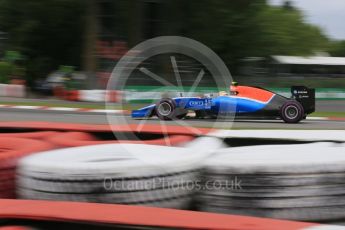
(292, 112)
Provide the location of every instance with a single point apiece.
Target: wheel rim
(164, 109)
(291, 112)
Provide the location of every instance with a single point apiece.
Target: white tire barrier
(201, 144)
(296, 182)
(8, 90)
(3, 90)
(92, 95)
(298, 135)
(99, 95)
(112, 173)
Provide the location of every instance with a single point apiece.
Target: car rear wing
(305, 96)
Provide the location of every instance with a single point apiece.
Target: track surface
(73, 117)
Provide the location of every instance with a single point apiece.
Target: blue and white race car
(242, 102)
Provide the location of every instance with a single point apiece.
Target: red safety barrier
(113, 96)
(72, 95)
(39, 135)
(14, 228)
(59, 92)
(73, 139)
(176, 134)
(11, 150)
(94, 213)
(148, 128)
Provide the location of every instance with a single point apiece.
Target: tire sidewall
(292, 104)
(170, 116)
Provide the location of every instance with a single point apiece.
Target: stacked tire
(133, 174)
(259, 137)
(19, 139)
(12, 149)
(297, 182)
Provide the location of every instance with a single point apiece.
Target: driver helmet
(223, 93)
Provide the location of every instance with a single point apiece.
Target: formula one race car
(243, 102)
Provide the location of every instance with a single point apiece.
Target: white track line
(26, 107)
(317, 118)
(61, 109)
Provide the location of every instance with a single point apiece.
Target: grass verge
(327, 114)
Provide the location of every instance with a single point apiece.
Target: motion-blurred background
(56, 58)
(76, 43)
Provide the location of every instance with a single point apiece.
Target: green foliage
(337, 49)
(6, 69)
(284, 32)
(242, 28)
(66, 69)
(12, 56)
(49, 33)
